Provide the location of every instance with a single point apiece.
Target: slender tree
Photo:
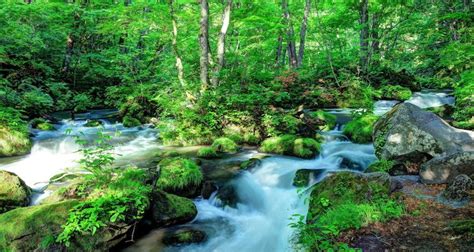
(179, 62)
(204, 44)
(293, 60)
(304, 25)
(221, 41)
(364, 34)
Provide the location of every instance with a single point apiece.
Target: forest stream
(265, 198)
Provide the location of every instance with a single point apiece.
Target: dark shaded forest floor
(431, 225)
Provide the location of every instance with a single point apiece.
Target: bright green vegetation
(224, 144)
(380, 166)
(464, 110)
(41, 124)
(328, 119)
(302, 178)
(171, 209)
(13, 192)
(14, 139)
(129, 121)
(291, 145)
(207, 152)
(345, 201)
(462, 226)
(93, 123)
(359, 130)
(394, 92)
(179, 174)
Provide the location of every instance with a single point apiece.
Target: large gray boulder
(411, 136)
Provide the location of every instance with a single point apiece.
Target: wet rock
(227, 195)
(250, 164)
(13, 192)
(303, 176)
(347, 163)
(93, 123)
(444, 169)
(208, 188)
(411, 136)
(459, 188)
(184, 236)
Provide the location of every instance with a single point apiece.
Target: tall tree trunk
(70, 42)
(221, 42)
(179, 62)
(304, 24)
(204, 44)
(374, 38)
(290, 35)
(28, 1)
(279, 49)
(364, 34)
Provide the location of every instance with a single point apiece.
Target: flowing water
(266, 198)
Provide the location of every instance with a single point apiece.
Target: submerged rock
(411, 136)
(444, 169)
(459, 189)
(183, 236)
(13, 192)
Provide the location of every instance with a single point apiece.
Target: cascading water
(54, 152)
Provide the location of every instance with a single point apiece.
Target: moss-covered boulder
(250, 164)
(380, 166)
(304, 176)
(93, 123)
(225, 144)
(13, 142)
(169, 209)
(180, 176)
(395, 92)
(129, 122)
(207, 152)
(291, 145)
(13, 192)
(33, 228)
(359, 130)
(183, 236)
(42, 124)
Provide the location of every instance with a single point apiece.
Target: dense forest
(148, 116)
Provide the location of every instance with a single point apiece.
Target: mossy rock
(342, 187)
(395, 92)
(34, 228)
(14, 143)
(303, 176)
(250, 164)
(169, 209)
(183, 236)
(207, 152)
(382, 165)
(446, 111)
(93, 123)
(359, 130)
(42, 124)
(13, 192)
(180, 176)
(291, 145)
(328, 119)
(224, 144)
(130, 122)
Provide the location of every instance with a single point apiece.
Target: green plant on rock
(14, 138)
(382, 165)
(207, 152)
(359, 130)
(394, 92)
(328, 119)
(291, 145)
(129, 122)
(224, 144)
(178, 174)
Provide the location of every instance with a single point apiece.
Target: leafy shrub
(278, 123)
(464, 109)
(328, 119)
(14, 138)
(360, 128)
(224, 144)
(129, 121)
(394, 92)
(237, 138)
(36, 102)
(382, 165)
(207, 152)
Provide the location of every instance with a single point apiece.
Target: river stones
(444, 169)
(411, 136)
(13, 192)
(459, 188)
(169, 209)
(184, 236)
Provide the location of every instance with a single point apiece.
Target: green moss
(13, 192)
(129, 122)
(170, 209)
(380, 166)
(302, 178)
(207, 152)
(13, 143)
(237, 138)
(462, 226)
(224, 144)
(469, 125)
(30, 228)
(328, 119)
(251, 139)
(395, 92)
(249, 164)
(291, 145)
(359, 130)
(45, 126)
(344, 201)
(178, 174)
(92, 123)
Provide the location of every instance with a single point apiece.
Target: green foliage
(224, 144)
(380, 166)
(394, 92)
(207, 152)
(360, 128)
(279, 122)
(14, 138)
(93, 123)
(464, 110)
(291, 145)
(178, 173)
(129, 121)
